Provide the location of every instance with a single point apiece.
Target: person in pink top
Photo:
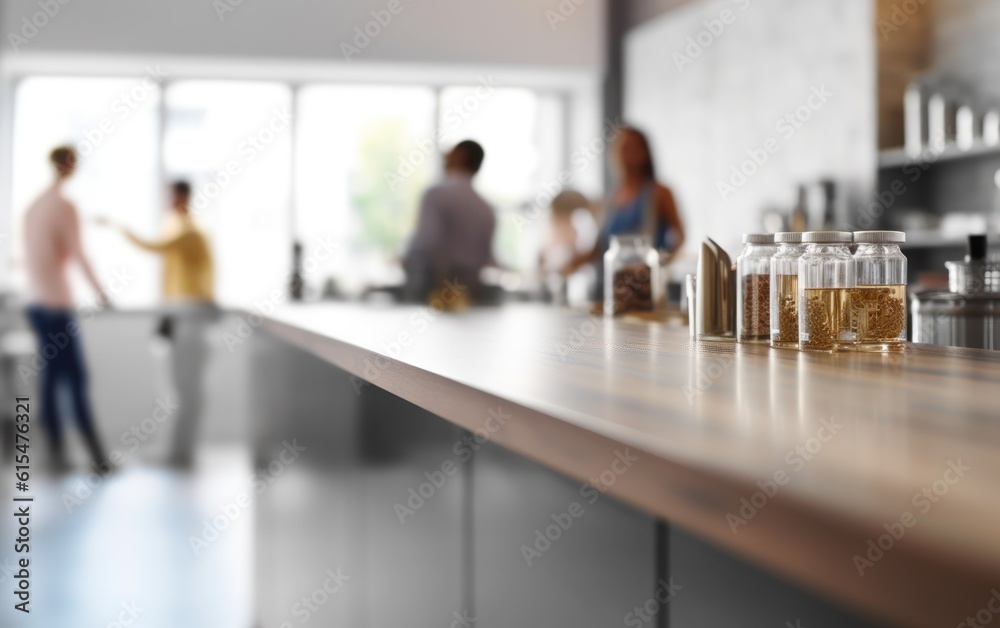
(52, 244)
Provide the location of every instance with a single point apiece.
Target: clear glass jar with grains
(753, 291)
(826, 274)
(785, 290)
(632, 276)
(878, 298)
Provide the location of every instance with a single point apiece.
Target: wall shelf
(933, 240)
(898, 157)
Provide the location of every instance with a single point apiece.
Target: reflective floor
(121, 554)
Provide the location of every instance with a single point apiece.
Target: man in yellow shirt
(189, 295)
(187, 258)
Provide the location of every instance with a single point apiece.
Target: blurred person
(569, 232)
(52, 242)
(453, 240)
(189, 296)
(639, 205)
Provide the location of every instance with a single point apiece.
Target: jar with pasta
(826, 276)
(878, 299)
(785, 290)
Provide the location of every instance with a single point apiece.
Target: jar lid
(635, 239)
(758, 238)
(788, 237)
(880, 237)
(623, 237)
(828, 237)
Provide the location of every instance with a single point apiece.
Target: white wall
(465, 31)
(705, 116)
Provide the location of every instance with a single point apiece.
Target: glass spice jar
(631, 276)
(785, 290)
(878, 299)
(826, 274)
(753, 288)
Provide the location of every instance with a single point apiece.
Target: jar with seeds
(785, 290)
(632, 276)
(878, 299)
(826, 276)
(753, 288)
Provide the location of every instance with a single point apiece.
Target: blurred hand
(571, 267)
(104, 301)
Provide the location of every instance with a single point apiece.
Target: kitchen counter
(797, 462)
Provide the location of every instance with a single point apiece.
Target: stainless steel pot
(974, 277)
(968, 315)
(957, 320)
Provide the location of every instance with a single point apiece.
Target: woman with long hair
(639, 205)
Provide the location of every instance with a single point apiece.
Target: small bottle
(991, 127)
(799, 219)
(753, 288)
(878, 299)
(296, 287)
(940, 123)
(785, 290)
(631, 276)
(826, 274)
(915, 131)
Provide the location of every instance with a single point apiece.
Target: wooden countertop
(850, 441)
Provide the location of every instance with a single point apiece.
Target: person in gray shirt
(453, 240)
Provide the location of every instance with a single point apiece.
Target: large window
(233, 141)
(113, 125)
(522, 132)
(338, 167)
(364, 156)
